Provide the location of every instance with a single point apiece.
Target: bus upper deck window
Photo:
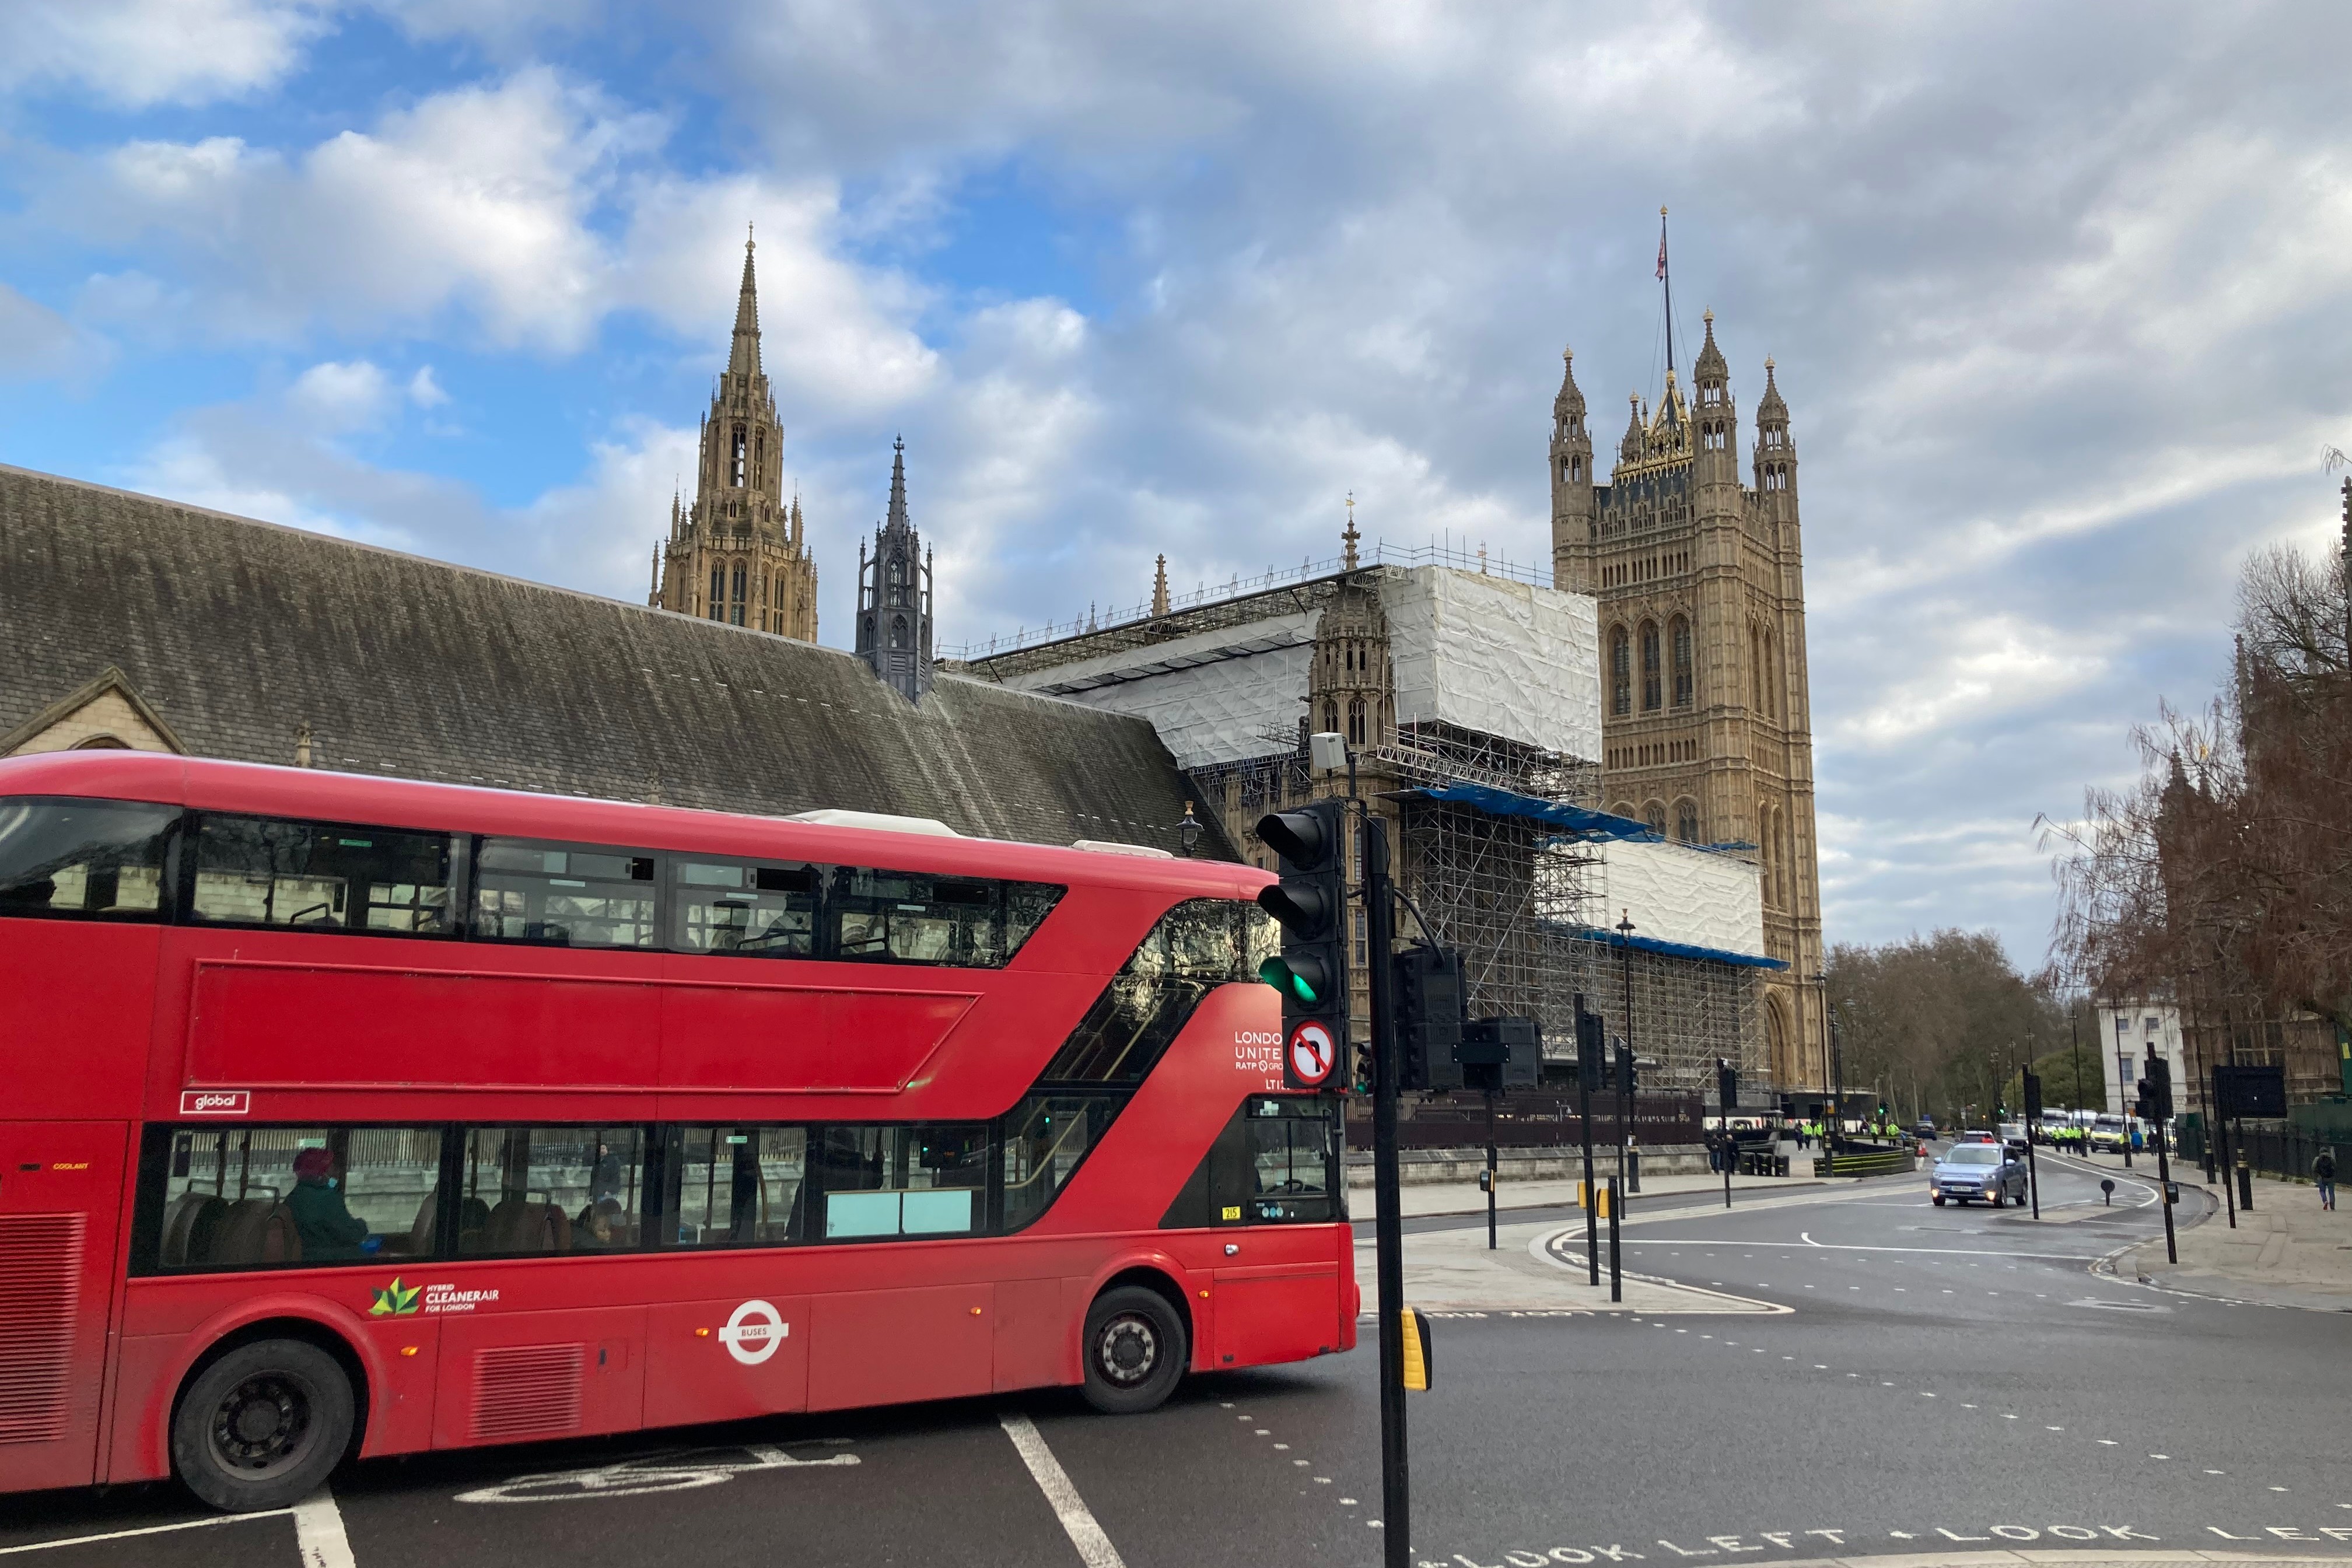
(730, 906)
(564, 895)
(254, 871)
(82, 858)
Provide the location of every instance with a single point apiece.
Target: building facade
(738, 553)
(1706, 718)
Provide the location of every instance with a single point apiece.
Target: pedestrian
(2323, 1173)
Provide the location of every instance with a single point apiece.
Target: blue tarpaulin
(1581, 821)
(1678, 949)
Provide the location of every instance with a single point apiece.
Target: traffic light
(2033, 1098)
(1500, 1053)
(1429, 999)
(1727, 1083)
(2160, 1087)
(1310, 903)
(2144, 1102)
(1625, 1074)
(1591, 1049)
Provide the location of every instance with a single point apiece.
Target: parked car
(1966, 1172)
(1924, 1128)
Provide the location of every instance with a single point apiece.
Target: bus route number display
(1312, 1052)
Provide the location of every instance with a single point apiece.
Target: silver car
(1966, 1172)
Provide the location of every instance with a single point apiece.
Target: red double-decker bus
(356, 1116)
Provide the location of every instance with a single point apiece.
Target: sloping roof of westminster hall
(240, 633)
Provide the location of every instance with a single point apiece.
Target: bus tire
(1135, 1351)
(261, 1427)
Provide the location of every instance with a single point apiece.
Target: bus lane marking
(145, 1530)
(680, 1470)
(2071, 1538)
(1078, 1521)
(318, 1532)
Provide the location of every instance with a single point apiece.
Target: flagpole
(1665, 275)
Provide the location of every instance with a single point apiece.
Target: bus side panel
(1033, 1334)
(258, 1027)
(77, 1005)
(60, 1195)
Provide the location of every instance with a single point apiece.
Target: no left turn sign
(1311, 1053)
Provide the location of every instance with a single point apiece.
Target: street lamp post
(1189, 831)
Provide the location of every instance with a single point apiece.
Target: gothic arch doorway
(1777, 1035)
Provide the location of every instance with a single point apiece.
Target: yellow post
(1584, 1199)
(1420, 1362)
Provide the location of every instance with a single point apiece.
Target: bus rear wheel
(260, 1428)
(1135, 1351)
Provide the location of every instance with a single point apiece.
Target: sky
(2057, 295)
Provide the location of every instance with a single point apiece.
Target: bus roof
(252, 787)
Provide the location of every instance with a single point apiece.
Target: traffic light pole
(1396, 1490)
(1592, 1199)
(1491, 1171)
(2163, 1195)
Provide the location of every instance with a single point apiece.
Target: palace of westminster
(1635, 729)
(1696, 574)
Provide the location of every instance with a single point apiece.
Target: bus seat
(256, 1230)
(519, 1224)
(418, 1242)
(190, 1227)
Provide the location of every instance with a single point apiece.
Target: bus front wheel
(1135, 1351)
(261, 1427)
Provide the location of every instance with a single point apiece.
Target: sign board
(2250, 1090)
(1312, 1053)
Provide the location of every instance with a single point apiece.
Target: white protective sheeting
(1496, 657)
(1675, 893)
(1214, 696)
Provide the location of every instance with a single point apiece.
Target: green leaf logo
(394, 1299)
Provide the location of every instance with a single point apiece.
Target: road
(1902, 1379)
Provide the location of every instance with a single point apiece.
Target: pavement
(1892, 1385)
(1463, 1198)
(2286, 1252)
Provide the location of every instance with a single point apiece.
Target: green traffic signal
(1302, 979)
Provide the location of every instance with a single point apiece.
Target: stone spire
(1159, 587)
(1349, 537)
(744, 356)
(895, 596)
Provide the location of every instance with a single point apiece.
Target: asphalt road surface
(1924, 1380)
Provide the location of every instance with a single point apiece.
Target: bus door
(60, 1194)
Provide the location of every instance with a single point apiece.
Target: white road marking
(145, 1529)
(1095, 1549)
(318, 1532)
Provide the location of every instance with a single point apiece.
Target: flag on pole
(1662, 252)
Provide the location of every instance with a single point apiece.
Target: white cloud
(140, 53)
(423, 391)
(334, 398)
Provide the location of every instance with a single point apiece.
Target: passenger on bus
(326, 1228)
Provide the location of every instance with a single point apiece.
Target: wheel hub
(1130, 1349)
(261, 1424)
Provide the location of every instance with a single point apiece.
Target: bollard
(2107, 1185)
(2246, 1186)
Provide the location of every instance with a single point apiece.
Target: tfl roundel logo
(215, 1102)
(1312, 1052)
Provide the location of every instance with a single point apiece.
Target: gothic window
(1356, 721)
(718, 593)
(1331, 716)
(897, 583)
(1654, 816)
(1770, 668)
(1683, 672)
(1621, 671)
(760, 459)
(1651, 692)
(897, 631)
(738, 467)
(1687, 821)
